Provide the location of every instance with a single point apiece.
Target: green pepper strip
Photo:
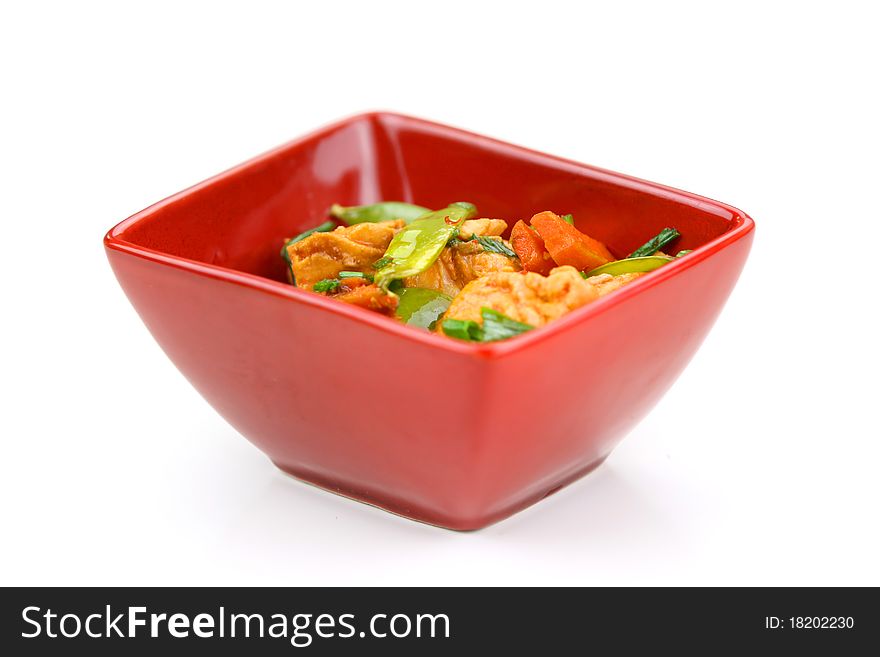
(421, 306)
(416, 247)
(630, 266)
(388, 211)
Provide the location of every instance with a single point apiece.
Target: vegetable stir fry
(453, 273)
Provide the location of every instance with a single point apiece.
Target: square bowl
(454, 434)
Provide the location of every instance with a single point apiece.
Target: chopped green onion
(354, 274)
(489, 243)
(495, 245)
(683, 253)
(496, 326)
(326, 285)
(384, 261)
(568, 219)
(463, 329)
(656, 243)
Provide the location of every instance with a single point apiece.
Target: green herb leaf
(683, 253)
(489, 243)
(326, 285)
(568, 219)
(656, 243)
(495, 245)
(387, 211)
(384, 261)
(497, 326)
(354, 274)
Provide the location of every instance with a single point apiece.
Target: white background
(759, 467)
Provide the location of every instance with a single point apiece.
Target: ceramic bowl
(454, 434)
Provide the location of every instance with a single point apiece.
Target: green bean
(630, 266)
(415, 248)
(387, 211)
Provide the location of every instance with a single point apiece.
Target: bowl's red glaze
(449, 433)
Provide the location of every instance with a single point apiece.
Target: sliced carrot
(529, 246)
(569, 246)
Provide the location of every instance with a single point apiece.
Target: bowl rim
(741, 225)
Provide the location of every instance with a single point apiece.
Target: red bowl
(454, 434)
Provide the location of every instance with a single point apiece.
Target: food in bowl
(451, 272)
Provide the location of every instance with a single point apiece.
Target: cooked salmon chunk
(360, 292)
(606, 283)
(460, 264)
(530, 297)
(482, 227)
(348, 248)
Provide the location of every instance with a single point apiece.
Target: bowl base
(430, 517)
